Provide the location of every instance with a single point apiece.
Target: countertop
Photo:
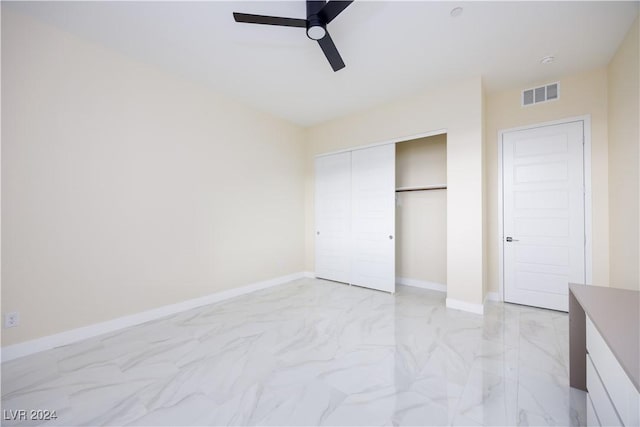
(616, 315)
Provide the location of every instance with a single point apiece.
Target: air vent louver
(527, 97)
(552, 91)
(540, 94)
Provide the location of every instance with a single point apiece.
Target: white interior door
(333, 217)
(544, 222)
(373, 179)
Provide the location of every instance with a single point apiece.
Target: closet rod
(423, 188)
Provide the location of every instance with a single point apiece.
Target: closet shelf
(422, 188)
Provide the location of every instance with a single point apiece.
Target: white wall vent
(545, 93)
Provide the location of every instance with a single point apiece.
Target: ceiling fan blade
(331, 52)
(269, 20)
(332, 9)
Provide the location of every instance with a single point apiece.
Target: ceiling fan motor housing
(316, 29)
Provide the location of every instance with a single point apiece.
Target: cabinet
(604, 348)
(615, 400)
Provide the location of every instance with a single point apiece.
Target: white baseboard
(309, 274)
(423, 284)
(492, 296)
(465, 306)
(74, 335)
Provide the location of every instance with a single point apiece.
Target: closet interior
(421, 212)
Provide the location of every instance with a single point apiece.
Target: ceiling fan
(319, 14)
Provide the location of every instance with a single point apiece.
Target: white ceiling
(392, 49)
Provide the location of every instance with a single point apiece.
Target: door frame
(389, 141)
(588, 220)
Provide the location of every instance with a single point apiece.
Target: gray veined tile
(362, 370)
(547, 399)
(311, 352)
(539, 316)
(417, 411)
(296, 372)
(231, 374)
(506, 333)
(369, 408)
(489, 399)
(61, 391)
(497, 359)
(415, 344)
(305, 405)
(437, 390)
(194, 409)
(102, 402)
(561, 323)
(447, 364)
(29, 372)
(462, 421)
(235, 409)
(537, 332)
(122, 413)
(545, 356)
(165, 351)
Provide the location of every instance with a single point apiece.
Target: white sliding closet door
(373, 182)
(333, 217)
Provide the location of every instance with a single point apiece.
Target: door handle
(511, 239)
(390, 237)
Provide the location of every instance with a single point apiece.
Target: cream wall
(125, 189)
(580, 94)
(421, 216)
(485, 203)
(624, 163)
(456, 108)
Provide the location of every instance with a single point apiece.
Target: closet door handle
(390, 237)
(511, 239)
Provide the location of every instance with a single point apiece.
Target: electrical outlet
(11, 319)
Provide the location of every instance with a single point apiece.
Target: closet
(359, 239)
(355, 217)
(421, 212)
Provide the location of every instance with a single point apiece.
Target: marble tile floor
(311, 352)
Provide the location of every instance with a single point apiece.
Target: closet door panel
(373, 217)
(333, 217)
